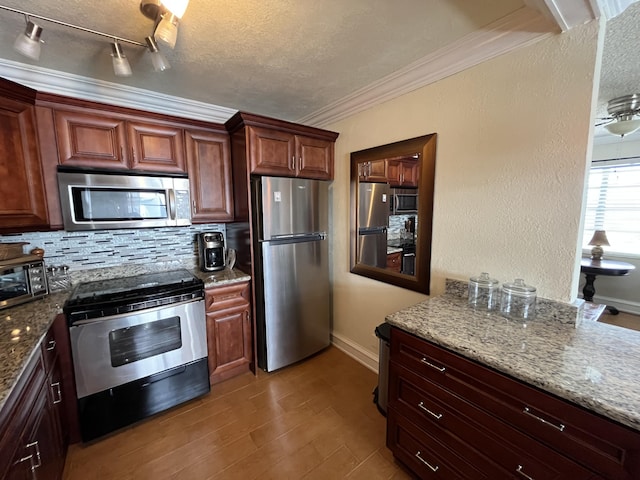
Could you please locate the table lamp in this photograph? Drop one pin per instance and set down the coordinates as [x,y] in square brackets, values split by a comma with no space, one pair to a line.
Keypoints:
[599,238]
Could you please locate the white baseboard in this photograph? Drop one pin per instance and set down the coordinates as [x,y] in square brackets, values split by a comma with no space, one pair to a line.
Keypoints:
[622,305]
[355,351]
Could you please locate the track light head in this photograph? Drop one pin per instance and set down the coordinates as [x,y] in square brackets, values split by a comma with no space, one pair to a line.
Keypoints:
[167,29]
[160,63]
[28,43]
[121,65]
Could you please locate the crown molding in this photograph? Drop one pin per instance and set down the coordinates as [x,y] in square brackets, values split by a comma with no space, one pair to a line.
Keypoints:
[521,28]
[76,86]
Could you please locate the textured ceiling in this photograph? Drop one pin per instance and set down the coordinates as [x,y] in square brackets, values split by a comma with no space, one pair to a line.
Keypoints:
[286,58]
[283,58]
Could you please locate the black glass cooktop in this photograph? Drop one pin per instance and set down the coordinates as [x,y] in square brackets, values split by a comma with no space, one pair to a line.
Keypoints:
[127,294]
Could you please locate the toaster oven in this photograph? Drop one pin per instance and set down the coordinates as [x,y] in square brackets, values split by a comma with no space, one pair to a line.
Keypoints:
[22,279]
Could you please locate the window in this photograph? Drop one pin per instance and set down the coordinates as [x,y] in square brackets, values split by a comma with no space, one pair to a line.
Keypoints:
[613,204]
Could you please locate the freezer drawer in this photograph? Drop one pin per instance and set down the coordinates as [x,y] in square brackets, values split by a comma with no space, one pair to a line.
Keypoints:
[296,302]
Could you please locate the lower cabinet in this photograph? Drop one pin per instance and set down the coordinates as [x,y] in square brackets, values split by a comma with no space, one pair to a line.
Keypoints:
[229,331]
[32,437]
[394,261]
[449,417]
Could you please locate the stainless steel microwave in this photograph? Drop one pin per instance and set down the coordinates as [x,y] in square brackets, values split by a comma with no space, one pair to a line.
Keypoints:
[105,199]
[403,201]
[22,279]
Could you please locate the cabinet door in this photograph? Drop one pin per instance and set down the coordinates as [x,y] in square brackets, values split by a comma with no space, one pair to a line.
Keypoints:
[402,173]
[272,152]
[87,139]
[229,340]
[314,158]
[375,171]
[209,162]
[38,455]
[156,147]
[394,262]
[22,194]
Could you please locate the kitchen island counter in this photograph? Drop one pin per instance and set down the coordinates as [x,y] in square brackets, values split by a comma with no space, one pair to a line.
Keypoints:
[23,327]
[593,364]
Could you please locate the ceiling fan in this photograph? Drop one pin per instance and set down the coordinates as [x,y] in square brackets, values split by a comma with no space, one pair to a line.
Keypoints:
[624,115]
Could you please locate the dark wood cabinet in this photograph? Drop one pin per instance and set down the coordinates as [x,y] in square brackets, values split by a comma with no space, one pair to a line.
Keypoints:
[276,147]
[95,139]
[209,164]
[493,423]
[375,171]
[229,331]
[33,434]
[274,152]
[22,193]
[394,262]
[403,172]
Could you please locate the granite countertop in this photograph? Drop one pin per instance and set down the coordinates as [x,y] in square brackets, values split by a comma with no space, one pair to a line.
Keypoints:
[391,250]
[592,364]
[23,327]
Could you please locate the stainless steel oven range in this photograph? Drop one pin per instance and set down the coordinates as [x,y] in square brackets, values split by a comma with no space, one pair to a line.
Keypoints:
[139,346]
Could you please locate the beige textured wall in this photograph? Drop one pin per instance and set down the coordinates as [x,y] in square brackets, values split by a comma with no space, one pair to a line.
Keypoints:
[513,148]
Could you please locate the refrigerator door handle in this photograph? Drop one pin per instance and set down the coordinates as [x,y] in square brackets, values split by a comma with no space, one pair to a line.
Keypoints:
[296,238]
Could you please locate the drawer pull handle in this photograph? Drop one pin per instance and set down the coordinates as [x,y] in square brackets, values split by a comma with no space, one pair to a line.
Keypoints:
[427,362]
[520,472]
[51,345]
[437,416]
[527,411]
[56,385]
[35,445]
[433,469]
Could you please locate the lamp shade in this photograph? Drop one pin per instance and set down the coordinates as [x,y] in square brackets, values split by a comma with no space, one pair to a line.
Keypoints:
[121,65]
[28,43]
[623,127]
[599,238]
[160,63]
[167,29]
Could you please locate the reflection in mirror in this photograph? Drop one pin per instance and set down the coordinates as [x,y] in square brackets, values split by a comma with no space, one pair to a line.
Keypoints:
[391,212]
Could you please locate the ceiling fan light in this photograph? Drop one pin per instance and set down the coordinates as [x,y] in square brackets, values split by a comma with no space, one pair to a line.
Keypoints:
[167,30]
[177,7]
[623,127]
[160,62]
[28,43]
[121,65]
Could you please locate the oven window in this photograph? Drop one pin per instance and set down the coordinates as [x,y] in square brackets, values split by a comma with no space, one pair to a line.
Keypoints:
[130,344]
[105,204]
[13,283]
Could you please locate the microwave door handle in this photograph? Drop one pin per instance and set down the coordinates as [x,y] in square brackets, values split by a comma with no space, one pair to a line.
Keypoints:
[172,204]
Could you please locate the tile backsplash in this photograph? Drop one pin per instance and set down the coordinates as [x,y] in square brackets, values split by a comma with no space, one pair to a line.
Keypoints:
[111,248]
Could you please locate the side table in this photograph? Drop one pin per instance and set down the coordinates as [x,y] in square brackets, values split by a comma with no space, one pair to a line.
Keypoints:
[592,268]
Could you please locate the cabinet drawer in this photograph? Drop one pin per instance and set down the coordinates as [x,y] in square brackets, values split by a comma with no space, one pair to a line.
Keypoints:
[428,454]
[49,349]
[600,444]
[219,298]
[507,451]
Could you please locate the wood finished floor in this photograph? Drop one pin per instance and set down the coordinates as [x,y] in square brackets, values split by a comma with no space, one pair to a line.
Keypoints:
[313,420]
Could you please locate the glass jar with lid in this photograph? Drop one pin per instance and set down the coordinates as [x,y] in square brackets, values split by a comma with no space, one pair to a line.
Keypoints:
[518,300]
[483,292]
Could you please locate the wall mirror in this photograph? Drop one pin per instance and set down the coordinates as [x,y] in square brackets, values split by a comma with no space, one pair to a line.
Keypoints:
[392,210]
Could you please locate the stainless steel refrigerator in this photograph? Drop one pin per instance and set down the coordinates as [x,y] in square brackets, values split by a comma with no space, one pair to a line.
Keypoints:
[292,269]
[373,221]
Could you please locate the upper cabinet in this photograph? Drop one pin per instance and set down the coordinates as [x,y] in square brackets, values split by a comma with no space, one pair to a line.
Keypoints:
[374,171]
[92,138]
[92,135]
[275,147]
[403,172]
[22,193]
[209,163]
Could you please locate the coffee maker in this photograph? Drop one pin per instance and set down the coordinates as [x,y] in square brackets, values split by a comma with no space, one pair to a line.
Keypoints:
[211,249]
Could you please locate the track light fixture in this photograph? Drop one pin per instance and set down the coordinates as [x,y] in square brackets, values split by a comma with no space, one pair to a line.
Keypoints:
[166,12]
[28,43]
[121,65]
[159,61]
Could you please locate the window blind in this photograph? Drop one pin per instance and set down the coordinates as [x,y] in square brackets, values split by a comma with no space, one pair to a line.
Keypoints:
[613,205]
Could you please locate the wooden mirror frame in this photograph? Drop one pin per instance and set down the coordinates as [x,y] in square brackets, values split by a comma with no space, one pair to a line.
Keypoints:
[426,146]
